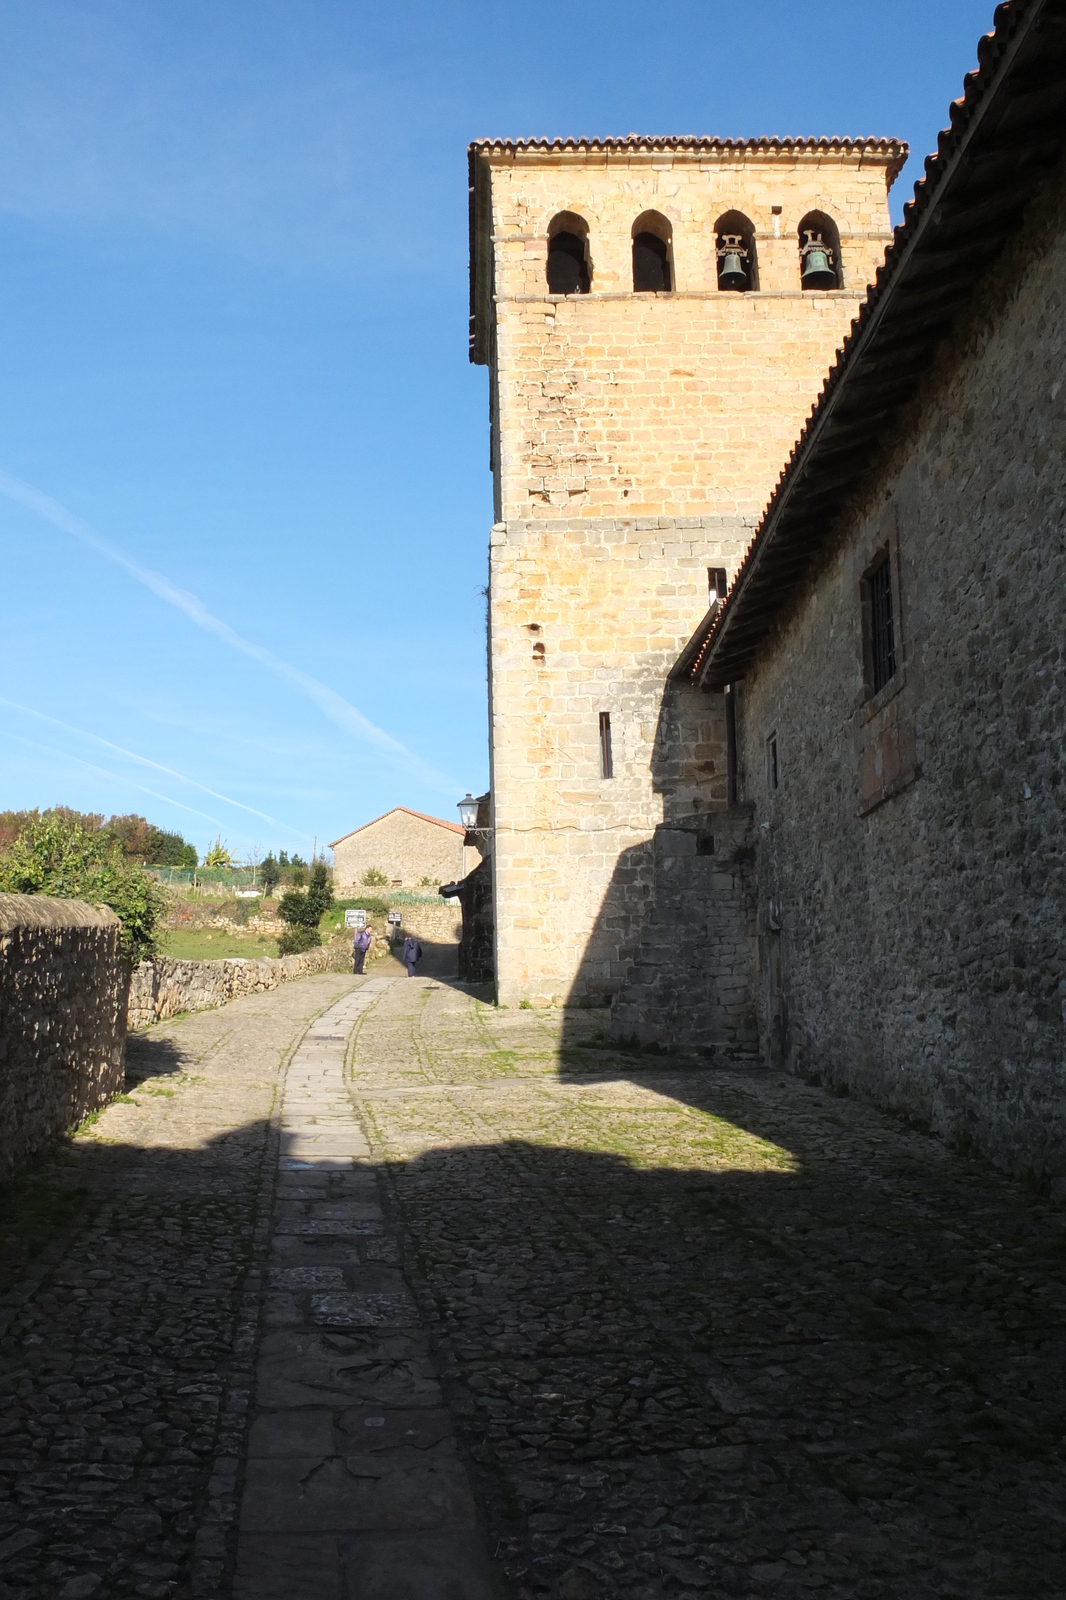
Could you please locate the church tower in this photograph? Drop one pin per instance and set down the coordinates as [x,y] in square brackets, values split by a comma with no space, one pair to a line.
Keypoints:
[657,317]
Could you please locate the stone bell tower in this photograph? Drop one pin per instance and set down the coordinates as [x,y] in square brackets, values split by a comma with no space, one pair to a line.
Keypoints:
[657,316]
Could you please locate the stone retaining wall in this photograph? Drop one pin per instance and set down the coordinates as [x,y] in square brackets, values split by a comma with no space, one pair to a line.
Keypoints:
[433,924]
[690,985]
[165,987]
[63,986]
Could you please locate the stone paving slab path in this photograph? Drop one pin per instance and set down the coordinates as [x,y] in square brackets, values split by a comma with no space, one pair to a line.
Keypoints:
[128,1329]
[386,1294]
[353,1488]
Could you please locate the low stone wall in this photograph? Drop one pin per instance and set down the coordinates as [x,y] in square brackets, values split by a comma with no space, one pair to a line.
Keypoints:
[165,987]
[63,984]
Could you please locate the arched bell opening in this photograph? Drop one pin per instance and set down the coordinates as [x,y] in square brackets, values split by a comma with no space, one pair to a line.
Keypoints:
[653,266]
[569,267]
[819,247]
[734,245]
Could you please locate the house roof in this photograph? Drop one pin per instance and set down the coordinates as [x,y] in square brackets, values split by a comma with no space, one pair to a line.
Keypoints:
[1006,132]
[439,822]
[481,154]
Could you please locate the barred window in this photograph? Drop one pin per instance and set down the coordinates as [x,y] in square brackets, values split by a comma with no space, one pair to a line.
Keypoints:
[882,626]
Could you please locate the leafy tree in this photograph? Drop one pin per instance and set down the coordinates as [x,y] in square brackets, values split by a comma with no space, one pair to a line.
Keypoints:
[172,851]
[55,855]
[283,858]
[219,855]
[269,875]
[137,838]
[298,861]
[298,877]
[374,878]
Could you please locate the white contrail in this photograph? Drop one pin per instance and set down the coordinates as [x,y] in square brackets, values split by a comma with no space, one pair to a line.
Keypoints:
[331,704]
[145,761]
[114,777]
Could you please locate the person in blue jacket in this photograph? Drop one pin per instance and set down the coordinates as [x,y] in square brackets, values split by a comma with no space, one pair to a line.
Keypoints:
[412,953]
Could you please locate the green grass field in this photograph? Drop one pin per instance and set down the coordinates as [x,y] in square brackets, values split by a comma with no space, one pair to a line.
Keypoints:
[213,944]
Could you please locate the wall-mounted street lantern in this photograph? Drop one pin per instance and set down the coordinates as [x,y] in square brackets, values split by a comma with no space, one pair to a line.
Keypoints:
[468,815]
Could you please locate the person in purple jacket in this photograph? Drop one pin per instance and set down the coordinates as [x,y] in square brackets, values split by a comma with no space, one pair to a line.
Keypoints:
[360,946]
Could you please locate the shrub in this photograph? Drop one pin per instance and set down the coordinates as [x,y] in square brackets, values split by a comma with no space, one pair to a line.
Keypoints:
[293,908]
[298,938]
[374,878]
[56,856]
[219,855]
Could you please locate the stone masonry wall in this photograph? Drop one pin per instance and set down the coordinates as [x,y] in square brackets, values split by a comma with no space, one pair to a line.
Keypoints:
[690,987]
[63,987]
[913,854]
[636,439]
[677,404]
[405,847]
[165,987]
[589,618]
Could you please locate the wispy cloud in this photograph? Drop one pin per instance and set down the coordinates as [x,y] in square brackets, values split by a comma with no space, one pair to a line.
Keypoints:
[117,778]
[332,705]
[144,761]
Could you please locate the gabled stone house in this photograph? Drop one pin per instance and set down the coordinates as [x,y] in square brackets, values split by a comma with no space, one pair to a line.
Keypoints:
[408,848]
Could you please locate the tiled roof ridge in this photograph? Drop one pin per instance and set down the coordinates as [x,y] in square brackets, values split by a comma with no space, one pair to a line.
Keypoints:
[882,144]
[990,50]
[441,822]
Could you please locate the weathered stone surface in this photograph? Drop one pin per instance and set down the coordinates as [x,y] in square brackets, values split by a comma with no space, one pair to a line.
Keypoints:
[716,1333]
[635,440]
[167,987]
[913,850]
[126,1339]
[63,983]
[690,986]
[406,846]
[677,1332]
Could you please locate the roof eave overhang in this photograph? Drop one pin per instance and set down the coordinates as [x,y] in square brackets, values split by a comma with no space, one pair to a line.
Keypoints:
[910,307]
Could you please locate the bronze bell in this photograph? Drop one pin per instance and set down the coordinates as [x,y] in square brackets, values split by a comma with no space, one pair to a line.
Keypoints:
[732,255]
[817,271]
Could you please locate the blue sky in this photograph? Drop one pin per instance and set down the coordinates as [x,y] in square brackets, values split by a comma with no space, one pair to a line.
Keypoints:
[244,496]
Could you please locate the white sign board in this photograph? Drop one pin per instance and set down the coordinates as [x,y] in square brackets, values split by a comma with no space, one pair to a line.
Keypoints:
[355,919]
[396,917]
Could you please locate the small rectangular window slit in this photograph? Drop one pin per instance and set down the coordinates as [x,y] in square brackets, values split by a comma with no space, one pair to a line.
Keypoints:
[717,583]
[882,626]
[606,758]
[771,761]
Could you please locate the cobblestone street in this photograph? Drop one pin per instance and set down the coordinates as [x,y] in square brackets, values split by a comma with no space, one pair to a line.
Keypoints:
[524,1322]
